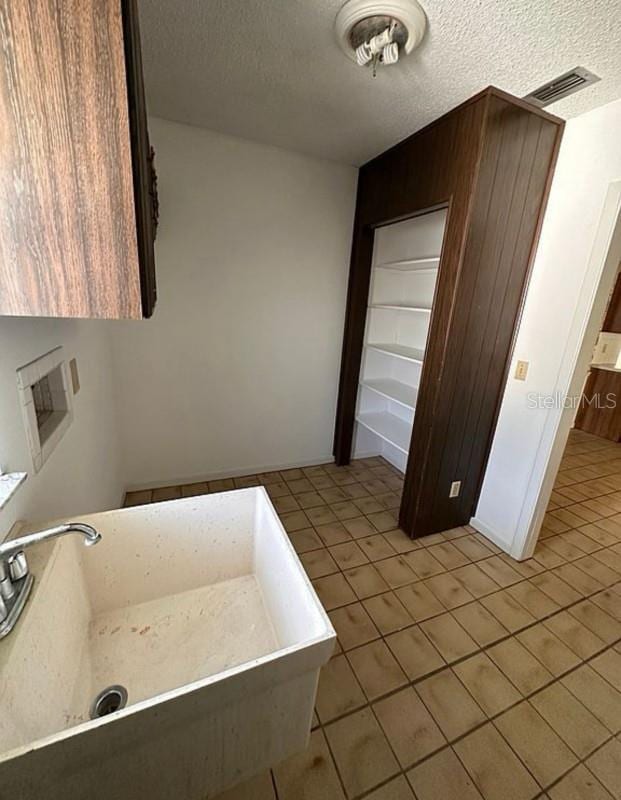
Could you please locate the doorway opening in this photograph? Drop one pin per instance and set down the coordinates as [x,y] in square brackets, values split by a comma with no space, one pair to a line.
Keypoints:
[578,509]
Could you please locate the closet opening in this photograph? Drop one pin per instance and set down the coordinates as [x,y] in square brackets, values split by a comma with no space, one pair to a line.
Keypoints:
[404,275]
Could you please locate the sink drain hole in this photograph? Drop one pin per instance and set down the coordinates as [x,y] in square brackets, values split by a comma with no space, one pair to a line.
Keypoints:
[108,701]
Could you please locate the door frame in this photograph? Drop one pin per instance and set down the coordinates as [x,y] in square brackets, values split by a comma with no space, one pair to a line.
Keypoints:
[603,261]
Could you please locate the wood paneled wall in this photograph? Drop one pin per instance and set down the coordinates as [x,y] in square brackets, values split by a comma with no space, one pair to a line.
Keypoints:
[490,161]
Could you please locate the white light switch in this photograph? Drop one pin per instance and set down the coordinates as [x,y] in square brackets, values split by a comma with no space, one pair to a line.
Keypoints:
[455,489]
[521,370]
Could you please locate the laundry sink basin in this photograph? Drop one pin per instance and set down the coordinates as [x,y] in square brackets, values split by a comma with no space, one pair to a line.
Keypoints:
[201,612]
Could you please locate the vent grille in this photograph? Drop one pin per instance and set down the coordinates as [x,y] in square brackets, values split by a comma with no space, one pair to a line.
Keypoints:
[560,87]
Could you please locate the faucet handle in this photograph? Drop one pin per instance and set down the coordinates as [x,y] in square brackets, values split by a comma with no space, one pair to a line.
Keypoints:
[7,590]
[18,566]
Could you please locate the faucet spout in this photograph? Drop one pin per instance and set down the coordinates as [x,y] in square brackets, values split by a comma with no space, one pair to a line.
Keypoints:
[15,578]
[13,546]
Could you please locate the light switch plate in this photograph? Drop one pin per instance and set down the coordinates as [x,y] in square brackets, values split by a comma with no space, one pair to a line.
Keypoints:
[521,370]
[455,489]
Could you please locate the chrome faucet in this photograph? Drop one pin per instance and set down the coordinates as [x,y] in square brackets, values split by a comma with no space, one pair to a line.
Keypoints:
[15,579]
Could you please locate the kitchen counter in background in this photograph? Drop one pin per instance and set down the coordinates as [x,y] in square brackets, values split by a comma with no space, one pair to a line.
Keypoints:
[607,367]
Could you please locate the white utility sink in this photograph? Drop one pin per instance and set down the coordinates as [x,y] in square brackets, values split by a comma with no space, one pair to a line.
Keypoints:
[201,610]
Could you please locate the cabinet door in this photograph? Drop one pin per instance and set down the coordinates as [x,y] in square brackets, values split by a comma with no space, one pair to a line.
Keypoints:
[612,321]
[71,242]
[600,411]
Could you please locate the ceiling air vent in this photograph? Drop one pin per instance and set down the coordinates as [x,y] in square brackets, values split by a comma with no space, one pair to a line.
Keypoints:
[560,87]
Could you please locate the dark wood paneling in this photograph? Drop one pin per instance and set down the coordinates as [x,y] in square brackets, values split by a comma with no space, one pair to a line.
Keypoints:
[67,215]
[600,410]
[141,156]
[490,161]
[399,184]
[515,167]
[612,321]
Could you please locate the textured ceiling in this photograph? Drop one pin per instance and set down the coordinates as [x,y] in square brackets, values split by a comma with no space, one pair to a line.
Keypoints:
[272,71]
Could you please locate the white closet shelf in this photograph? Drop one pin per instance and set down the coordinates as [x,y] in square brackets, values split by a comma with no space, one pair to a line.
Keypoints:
[428,263]
[401,307]
[387,426]
[399,351]
[393,390]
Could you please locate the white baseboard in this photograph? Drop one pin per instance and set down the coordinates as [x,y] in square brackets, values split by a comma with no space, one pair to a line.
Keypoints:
[363,454]
[229,473]
[482,528]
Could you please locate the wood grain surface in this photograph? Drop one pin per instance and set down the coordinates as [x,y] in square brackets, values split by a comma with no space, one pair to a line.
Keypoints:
[600,411]
[67,214]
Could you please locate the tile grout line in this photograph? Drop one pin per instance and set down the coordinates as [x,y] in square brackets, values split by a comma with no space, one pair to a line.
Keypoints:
[510,634]
[500,589]
[489,720]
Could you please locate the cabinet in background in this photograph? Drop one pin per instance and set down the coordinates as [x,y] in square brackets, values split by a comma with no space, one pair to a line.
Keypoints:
[76,189]
[600,410]
[612,320]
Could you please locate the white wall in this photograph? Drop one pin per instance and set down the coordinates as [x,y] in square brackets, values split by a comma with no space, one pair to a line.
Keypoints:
[237,370]
[568,266]
[83,472]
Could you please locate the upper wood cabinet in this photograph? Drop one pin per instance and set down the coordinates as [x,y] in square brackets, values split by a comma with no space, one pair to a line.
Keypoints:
[76,217]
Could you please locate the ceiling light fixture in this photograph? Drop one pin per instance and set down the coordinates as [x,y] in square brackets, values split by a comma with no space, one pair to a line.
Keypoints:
[374,33]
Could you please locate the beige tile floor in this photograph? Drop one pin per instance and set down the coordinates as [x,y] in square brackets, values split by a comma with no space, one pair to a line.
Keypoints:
[459,674]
